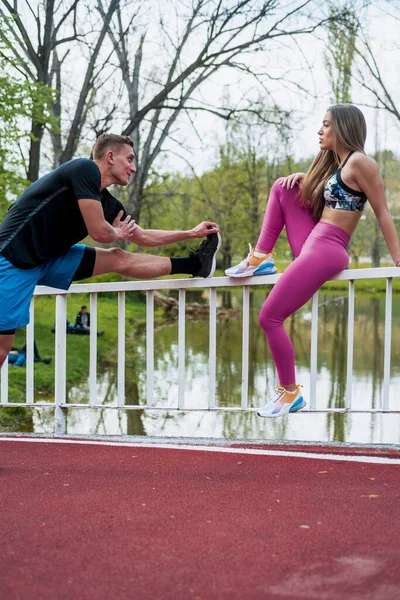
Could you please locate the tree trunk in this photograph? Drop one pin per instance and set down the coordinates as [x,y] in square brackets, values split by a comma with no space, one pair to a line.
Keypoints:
[135,191]
[56,112]
[34,152]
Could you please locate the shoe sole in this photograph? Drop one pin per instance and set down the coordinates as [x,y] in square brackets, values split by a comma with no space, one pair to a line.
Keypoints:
[272,271]
[297,407]
[214,260]
[292,409]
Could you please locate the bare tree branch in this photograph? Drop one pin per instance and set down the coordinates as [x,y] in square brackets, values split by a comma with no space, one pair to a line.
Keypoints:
[81,109]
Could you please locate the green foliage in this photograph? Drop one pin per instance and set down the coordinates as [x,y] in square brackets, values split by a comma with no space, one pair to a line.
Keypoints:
[339,56]
[233,194]
[22,103]
[227,194]
[77,345]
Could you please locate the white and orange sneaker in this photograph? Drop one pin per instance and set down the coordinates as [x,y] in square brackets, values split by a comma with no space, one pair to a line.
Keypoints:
[283,402]
[253,265]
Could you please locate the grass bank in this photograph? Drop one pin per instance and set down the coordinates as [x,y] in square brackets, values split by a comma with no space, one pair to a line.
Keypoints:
[77,348]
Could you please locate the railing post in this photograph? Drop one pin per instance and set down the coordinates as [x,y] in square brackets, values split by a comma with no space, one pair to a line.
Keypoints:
[181,350]
[245,346]
[93,350]
[350,346]
[60,416]
[121,348]
[150,348]
[4,383]
[212,358]
[388,343]
[314,352]
[30,354]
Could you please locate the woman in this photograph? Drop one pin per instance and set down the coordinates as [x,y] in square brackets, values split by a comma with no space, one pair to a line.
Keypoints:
[320,210]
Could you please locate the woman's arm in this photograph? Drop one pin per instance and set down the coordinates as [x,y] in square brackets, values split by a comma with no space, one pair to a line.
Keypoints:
[368,178]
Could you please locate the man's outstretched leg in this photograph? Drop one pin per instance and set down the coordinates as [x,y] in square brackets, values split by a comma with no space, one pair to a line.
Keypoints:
[199,263]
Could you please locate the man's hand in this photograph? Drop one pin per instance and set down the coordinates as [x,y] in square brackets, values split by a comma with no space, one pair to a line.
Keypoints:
[124,228]
[205,228]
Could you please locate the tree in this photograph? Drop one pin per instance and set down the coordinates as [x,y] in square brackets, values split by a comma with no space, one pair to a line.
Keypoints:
[192,44]
[234,192]
[35,34]
[340,51]
[369,76]
[21,103]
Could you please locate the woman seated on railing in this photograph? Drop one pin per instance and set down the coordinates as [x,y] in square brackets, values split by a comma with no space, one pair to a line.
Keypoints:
[320,210]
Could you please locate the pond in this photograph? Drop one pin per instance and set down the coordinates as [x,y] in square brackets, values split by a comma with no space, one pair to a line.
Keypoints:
[367,388]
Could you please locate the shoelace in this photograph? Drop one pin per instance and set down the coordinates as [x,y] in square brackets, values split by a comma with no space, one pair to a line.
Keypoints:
[250,254]
[278,394]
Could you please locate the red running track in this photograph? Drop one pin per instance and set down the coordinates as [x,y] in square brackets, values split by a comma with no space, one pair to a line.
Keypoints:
[120,522]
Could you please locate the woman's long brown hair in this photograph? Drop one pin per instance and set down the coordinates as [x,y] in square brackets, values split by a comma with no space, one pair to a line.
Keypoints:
[350,130]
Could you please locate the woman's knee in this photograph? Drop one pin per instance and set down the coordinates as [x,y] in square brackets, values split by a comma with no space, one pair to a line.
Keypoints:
[268,319]
[283,194]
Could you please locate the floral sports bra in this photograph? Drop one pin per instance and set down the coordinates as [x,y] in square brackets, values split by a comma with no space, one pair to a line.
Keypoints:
[340,196]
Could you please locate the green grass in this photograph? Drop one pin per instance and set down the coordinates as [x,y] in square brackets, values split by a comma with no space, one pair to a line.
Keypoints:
[77,347]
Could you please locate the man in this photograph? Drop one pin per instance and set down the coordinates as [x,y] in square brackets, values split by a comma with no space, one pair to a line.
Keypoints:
[40,233]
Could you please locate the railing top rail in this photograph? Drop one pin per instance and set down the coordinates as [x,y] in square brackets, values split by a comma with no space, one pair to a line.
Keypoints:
[213,282]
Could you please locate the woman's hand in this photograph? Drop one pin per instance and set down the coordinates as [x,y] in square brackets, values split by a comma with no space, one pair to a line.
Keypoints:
[292,180]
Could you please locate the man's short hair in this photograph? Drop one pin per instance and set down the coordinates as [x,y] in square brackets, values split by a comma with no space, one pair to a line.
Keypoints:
[109,141]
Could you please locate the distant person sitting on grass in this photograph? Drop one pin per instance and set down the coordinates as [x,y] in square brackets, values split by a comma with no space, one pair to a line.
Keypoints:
[83,320]
[78,329]
[40,233]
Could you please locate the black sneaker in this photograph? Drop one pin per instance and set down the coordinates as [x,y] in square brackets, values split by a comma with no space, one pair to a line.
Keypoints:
[206,253]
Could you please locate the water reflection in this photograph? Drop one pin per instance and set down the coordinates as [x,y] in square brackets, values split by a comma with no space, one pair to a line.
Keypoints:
[366,390]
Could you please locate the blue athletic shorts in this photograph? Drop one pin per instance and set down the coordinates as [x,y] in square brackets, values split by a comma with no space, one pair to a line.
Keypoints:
[17,285]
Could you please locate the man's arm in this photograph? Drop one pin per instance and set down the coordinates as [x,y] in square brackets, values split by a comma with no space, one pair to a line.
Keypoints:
[149,238]
[99,229]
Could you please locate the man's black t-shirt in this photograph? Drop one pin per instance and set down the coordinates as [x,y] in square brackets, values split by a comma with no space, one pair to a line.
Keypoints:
[45,221]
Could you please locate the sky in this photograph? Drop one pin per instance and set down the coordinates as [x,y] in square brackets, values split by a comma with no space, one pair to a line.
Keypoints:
[383,130]
[198,143]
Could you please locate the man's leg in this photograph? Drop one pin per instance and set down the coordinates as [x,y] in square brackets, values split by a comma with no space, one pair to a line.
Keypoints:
[6,342]
[200,262]
[139,266]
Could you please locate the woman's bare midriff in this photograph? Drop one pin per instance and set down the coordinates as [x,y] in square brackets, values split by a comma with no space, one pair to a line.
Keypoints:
[346,220]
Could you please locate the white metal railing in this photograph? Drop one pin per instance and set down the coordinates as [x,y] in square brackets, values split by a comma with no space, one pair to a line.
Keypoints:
[60,402]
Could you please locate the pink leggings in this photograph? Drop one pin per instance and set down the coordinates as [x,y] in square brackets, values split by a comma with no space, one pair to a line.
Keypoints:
[320,251]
